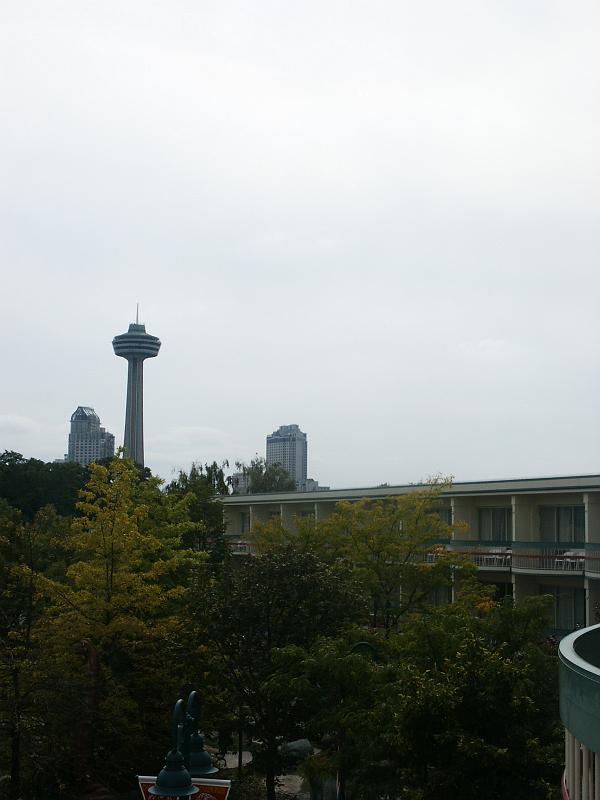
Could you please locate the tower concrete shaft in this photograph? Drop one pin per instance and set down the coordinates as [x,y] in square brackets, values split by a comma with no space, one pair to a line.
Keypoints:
[136,345]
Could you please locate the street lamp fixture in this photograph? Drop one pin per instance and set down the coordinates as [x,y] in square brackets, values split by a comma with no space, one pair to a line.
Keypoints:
[199,764]
[187,758]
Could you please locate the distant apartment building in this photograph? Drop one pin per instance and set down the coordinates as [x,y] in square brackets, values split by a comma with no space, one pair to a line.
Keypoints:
[287,446]
[88,441]
[312,485]
[240,483]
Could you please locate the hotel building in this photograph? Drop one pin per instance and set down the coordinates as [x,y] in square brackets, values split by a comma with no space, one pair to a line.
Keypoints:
[526,536]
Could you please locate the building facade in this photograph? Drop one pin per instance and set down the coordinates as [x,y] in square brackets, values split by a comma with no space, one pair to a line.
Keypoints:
[240,483]
[88,440]
[532,536]
[287,446]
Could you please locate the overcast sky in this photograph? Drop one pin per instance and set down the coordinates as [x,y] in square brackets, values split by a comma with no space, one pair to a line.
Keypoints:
[378,220]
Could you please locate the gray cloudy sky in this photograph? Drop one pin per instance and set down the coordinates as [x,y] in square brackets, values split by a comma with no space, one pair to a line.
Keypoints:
[378,220]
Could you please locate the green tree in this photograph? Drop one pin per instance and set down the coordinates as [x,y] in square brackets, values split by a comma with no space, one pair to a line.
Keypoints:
[263,477]
[397,547]
[468,708]
[17,612]
[114,630]
[337,681]
[27,548]
[30,484]
[280,599]
[201,488]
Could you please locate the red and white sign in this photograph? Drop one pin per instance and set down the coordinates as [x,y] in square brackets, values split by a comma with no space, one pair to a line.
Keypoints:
[208,789]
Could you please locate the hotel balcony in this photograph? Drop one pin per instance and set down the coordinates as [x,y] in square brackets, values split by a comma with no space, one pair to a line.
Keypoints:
[579,657]
[527,557]
[240,548]
[592,559]
[549,557]
[487,555]
[572,558]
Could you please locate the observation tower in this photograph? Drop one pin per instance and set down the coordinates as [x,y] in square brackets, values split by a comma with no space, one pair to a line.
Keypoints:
[135,345]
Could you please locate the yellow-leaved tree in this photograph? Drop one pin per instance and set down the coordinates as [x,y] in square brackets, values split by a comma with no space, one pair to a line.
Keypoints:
[397,545]
[114,630]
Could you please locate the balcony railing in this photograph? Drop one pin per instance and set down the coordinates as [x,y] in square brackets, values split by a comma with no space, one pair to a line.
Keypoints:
[240,548]
[561,557]
[485,555]
[592,558]
[573,558]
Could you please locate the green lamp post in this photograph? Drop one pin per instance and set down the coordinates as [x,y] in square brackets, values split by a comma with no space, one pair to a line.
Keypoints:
[174,780]
[187,758]
[198,762]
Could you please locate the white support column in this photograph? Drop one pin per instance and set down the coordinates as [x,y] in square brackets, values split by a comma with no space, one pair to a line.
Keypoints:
[568,759]
[570,763]
[577,771]
[287,517]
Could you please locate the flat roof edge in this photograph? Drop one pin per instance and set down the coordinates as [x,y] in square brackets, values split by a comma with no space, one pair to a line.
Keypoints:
[547,483]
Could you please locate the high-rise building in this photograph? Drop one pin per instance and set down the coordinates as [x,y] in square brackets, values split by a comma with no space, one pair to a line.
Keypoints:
[136,345]
[287,446]
[88,441]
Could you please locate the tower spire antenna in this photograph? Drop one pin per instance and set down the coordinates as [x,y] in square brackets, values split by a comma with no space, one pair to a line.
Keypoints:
[137,313]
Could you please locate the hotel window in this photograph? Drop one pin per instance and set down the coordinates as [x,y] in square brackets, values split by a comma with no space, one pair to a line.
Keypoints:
[562,523]
[569,607]
[440,596]
[445,514]
[495,524]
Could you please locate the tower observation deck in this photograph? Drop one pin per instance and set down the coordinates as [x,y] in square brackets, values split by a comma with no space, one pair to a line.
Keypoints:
[135,345]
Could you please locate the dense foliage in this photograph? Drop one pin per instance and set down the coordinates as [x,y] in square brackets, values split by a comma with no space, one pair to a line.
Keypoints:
[110,610]
[263,477]
[29,484]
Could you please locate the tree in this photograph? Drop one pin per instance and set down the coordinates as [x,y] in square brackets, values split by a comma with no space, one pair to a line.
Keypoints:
[201,488]
[280,599]
[17,599]
[465,706]
[263,477]
[338,680]
[114,630]
[397,547]
[27,548]
[30,484]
